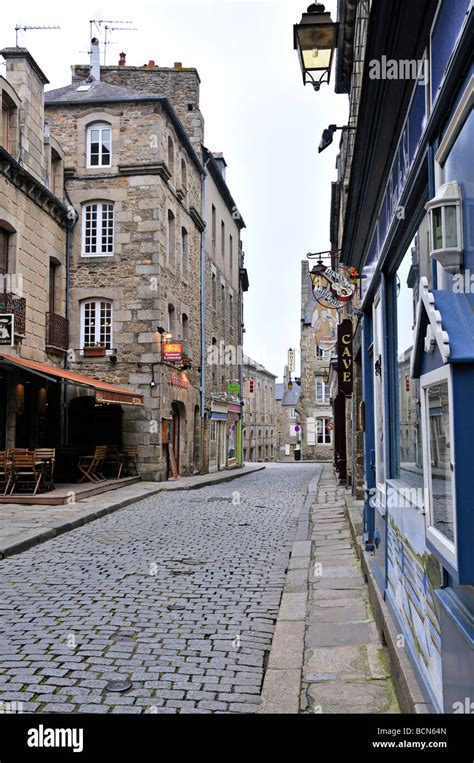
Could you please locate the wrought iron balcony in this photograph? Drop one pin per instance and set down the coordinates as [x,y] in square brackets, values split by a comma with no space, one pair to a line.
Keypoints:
[57,332]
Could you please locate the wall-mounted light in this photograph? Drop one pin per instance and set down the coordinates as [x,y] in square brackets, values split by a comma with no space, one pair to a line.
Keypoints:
[446,239]
[328,135]
[315,40]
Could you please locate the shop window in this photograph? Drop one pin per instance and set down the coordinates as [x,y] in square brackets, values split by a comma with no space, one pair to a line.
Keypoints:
[99,145]
[96,324]
[408,456]
[97,229]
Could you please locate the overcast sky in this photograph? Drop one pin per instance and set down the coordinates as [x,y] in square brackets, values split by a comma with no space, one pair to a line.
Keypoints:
[256,112]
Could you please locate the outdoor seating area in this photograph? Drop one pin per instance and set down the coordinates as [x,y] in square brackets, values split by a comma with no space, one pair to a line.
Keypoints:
[25,472]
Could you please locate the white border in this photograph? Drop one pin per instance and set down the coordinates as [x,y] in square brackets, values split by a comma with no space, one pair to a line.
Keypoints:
[446,548]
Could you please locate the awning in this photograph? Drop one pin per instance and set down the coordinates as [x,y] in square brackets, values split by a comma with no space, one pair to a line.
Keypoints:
[104,392]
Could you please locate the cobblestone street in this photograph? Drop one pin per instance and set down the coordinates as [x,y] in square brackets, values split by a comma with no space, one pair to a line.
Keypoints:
[177,595]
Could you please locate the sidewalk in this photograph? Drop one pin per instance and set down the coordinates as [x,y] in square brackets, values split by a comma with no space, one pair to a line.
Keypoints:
[24,526]
[326,654]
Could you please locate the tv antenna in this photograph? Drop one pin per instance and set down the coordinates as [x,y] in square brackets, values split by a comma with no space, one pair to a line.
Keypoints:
[28,27]
[114,29]
[98,23]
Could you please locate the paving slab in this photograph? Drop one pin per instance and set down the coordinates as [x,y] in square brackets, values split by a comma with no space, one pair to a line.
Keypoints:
[338,634]
[352,697]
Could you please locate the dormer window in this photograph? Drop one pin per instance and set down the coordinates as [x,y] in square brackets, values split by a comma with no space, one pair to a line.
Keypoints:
[99,145]
[446,226]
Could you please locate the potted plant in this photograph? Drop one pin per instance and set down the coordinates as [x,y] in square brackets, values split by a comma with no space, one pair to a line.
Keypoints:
[94,350]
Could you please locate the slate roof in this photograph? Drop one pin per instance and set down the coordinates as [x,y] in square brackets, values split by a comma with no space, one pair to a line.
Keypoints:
[97,92]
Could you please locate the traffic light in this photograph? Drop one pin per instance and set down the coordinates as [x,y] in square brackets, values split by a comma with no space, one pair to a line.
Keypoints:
[251,385]
[407,384]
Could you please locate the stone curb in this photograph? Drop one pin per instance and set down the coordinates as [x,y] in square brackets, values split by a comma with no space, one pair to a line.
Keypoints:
[409,694]
[35,537]
[282,680]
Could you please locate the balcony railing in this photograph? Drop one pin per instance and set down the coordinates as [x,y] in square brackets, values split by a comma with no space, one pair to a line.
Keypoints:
[57,331]
[10,303]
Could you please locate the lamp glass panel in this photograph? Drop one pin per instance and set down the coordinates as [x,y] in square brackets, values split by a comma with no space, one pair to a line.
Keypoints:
[316,58]
[316,44]
[437,229]
[451,236]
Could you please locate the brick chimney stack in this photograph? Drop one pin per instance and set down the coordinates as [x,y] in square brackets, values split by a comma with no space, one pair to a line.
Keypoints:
[122,59]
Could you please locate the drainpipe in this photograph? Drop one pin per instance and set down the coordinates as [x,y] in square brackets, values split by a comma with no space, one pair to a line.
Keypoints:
[203,314]
[72,220]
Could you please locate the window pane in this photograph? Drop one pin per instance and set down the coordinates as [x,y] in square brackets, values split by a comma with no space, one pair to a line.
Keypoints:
[440,457]
[409,458]
[437,229]
[3,251]
[450,223]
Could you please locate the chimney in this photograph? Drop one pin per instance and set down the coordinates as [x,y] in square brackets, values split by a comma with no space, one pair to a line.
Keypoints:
[221,163]
[25,76]
[95,59]
[178,65]
[122,58]
[151,64]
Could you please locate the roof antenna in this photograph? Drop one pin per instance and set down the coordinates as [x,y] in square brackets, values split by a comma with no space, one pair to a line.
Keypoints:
[28,27]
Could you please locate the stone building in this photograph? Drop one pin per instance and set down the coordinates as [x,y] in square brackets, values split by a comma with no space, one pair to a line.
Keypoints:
[314,405]
[33,246]
[288,426]
[225,281]
[259,415]
[134,178]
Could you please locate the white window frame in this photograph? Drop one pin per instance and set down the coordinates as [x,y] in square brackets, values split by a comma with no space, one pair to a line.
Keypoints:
[381,487]
[97,301]
[292,413]
[326,391]
[100,207]
[101,126]
[325,421]
[447,548]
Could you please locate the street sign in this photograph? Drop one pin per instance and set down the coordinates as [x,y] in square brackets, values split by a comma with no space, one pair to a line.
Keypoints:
[232,388]
[344,357]
[291,361]
[172,351]
[297,429]
[7,329]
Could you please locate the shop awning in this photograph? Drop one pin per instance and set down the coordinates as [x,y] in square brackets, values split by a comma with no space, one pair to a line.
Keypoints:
[104,392]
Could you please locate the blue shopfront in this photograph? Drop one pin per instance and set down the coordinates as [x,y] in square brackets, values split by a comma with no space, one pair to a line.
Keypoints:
[417,287]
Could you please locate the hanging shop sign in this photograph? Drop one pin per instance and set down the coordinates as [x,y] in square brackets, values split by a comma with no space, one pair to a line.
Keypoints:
[324,323]
[7,329]
[232,388]
[345,357]
[172,351]
[333,288]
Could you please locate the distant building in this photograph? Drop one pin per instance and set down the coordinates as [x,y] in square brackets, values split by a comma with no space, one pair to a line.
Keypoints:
[314,405]
[260,418]
[288,430]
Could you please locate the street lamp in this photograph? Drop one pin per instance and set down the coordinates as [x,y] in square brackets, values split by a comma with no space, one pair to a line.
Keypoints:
[315,39]
[328,135]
